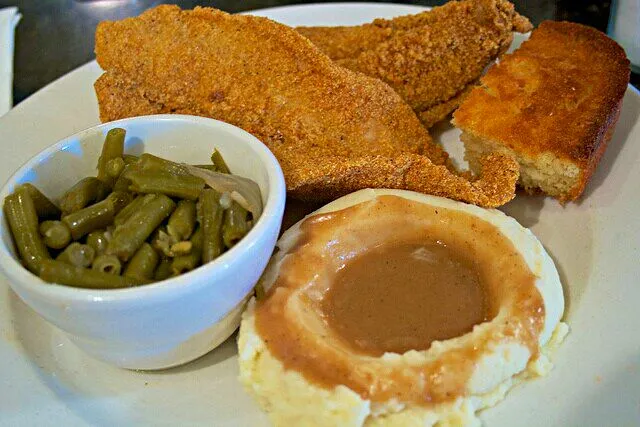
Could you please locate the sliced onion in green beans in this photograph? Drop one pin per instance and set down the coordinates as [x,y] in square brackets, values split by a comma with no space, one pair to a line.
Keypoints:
[243,190]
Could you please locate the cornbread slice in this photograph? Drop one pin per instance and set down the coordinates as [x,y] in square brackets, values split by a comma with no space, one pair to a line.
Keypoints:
[552,105]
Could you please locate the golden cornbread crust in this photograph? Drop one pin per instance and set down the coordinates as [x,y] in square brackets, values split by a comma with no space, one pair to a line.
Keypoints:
[559,94]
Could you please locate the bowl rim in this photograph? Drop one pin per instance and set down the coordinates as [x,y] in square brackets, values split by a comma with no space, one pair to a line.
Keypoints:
[168,288]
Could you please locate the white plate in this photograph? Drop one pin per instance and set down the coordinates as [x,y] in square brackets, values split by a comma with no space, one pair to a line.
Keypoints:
[595,243]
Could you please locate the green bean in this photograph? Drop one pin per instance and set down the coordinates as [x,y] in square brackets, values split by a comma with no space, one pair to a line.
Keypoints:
[184,263]
[181,186]
[113,147]
[182,220]
[129,159]
[21,215]
[132,207]
[234,225]
[129,236]
[123,183]
[207,167]
[212,212]
[45,208]
[143,263]
[221,165]
[77,254]
[84,192]
[115,167]
[98,241]
[163,271]
[107,264]
[120,200]
[199,213]
[55,234]
[150,163]
[95,217]
[65,274]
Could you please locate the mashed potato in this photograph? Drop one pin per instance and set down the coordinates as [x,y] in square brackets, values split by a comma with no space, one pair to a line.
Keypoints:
[291,399]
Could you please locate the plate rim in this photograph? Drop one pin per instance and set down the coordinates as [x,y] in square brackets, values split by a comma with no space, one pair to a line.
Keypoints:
[86,68]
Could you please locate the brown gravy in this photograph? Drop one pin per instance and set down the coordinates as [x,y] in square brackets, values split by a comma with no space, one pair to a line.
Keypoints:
[292,317]
[401,297]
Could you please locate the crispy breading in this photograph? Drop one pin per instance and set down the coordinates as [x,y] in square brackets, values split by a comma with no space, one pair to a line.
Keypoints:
[428,58]
[438,112]
[333,130]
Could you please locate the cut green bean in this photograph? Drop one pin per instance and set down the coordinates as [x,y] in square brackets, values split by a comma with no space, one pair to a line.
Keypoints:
[130,159]
[123,183]
[181,186]
[163,271]
[82,194]
[95,217]
[212,213]
[207,167]
[45,208]
[128,237]
[113,147]
[184,263]
[141,219]
[182,220]
[150,163]
[218,161]
[55,234]
[77,254]
[107,264]
[234,225]
[21,215]
[115,167]
[98,241]
[65,274]
[120,199]
[132,207]
[143,263]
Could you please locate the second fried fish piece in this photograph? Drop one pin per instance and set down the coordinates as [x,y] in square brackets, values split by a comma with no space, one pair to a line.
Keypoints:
[333,130]
[429,58]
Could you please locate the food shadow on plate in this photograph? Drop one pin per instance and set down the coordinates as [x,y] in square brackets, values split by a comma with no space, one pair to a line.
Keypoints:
[525,208]
[220,354]
[448,137]
[628,120]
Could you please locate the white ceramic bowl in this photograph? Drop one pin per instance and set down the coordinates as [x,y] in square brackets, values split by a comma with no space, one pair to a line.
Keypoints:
[177,320]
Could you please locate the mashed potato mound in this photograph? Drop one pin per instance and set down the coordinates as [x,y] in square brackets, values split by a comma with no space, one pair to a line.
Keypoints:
[290,399]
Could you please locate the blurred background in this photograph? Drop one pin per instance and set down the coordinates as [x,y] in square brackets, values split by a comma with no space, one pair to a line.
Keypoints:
[56,36]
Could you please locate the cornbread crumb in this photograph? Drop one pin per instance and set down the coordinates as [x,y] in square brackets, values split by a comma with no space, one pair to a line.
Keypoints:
[552,105]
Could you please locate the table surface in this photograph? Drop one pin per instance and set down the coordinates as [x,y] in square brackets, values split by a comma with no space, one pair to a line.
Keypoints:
[56,36]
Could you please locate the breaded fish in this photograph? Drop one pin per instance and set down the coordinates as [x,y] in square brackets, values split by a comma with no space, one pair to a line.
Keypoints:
[430,58]
[333,130]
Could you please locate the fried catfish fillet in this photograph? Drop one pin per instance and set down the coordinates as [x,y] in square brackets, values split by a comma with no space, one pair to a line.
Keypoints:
[430,58]
[333,130]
